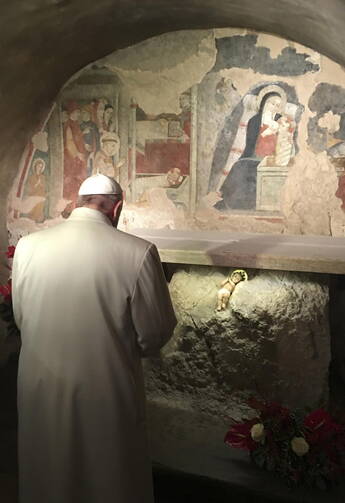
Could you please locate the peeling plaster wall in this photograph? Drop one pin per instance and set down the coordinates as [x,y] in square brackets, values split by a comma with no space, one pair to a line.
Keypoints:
[224,129]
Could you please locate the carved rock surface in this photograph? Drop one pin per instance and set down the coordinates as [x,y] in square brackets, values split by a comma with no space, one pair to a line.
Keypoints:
[272,340]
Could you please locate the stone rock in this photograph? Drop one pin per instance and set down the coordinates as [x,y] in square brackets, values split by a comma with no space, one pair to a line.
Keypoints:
[273,341]
[307,209]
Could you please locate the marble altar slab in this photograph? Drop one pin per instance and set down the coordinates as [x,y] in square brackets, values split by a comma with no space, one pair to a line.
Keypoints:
[321,254]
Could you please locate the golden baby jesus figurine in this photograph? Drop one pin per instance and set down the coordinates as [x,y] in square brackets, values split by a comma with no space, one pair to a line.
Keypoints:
[228,286]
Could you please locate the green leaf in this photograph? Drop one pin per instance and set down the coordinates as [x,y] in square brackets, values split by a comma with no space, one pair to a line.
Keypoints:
[270,464]
[259,458]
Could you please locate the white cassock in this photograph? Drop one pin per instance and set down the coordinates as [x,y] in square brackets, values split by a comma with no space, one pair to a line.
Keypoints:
[90,301]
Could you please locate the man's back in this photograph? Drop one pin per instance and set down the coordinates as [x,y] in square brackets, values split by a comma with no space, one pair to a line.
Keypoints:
[89,301]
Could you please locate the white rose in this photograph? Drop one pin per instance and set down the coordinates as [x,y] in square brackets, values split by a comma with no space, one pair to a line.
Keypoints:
[299,446]
[257,432]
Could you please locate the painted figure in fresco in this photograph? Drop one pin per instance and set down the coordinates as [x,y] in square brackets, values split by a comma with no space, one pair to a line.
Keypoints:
[185,116]
[106,160]
[75,153]
[266,134]
[89,129]
[174,177]
[228,286]
[36,186]
[108,118]
[223,92]
[232,151]
[179,125]
[99,106]
[104,115]
[163,140]
[239,188]
[285,145]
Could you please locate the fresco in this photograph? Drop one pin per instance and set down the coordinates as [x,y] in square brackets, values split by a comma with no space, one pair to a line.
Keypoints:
[162,152]
[326,130]
[223,129]
[260,132]
[36,188]
[90,143]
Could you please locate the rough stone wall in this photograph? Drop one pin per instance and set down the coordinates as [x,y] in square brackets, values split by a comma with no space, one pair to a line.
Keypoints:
[273,341]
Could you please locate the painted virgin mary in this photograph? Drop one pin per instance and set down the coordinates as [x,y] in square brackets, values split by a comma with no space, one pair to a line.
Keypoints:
[236,182]
[268,130]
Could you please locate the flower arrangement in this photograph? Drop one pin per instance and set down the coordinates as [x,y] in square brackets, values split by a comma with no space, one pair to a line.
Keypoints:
[6,309]
[301,448]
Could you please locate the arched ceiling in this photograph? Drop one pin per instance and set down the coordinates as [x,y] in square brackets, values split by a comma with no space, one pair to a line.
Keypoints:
[44,42]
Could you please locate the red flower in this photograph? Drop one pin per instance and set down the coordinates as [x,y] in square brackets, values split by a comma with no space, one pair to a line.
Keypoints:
[6,291]
[325,437]
[239,435]
[320,426]
[10,251]
[317,419]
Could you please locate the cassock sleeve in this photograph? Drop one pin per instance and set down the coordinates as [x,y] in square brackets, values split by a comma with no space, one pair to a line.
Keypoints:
[152,311]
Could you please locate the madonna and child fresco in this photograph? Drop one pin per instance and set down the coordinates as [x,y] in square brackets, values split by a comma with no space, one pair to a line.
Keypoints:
[261,130]
[221,129]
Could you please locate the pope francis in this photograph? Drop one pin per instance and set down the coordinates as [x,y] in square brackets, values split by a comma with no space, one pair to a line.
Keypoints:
[90,301]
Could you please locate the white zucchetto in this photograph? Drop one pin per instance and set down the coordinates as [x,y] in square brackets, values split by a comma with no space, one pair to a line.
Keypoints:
[99,184]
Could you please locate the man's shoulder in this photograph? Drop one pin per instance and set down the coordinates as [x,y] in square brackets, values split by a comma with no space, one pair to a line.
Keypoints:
[39,235]
[133,240]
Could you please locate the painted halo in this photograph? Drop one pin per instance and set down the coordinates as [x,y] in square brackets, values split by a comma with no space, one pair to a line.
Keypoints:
[273,88]
[241,272]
